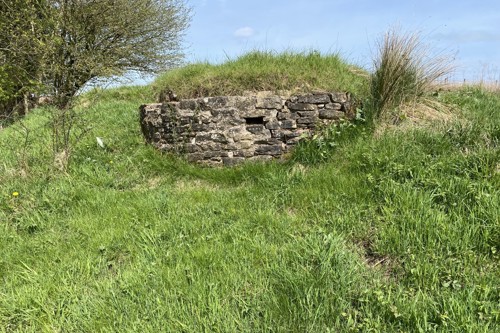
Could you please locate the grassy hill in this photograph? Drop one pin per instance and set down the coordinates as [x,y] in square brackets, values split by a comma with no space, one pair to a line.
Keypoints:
[357,232]
[257,71]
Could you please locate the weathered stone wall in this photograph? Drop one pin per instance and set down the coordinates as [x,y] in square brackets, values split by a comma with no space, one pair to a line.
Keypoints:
[230,129]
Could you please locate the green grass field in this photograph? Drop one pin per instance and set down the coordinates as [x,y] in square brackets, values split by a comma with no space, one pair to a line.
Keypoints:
[394,232]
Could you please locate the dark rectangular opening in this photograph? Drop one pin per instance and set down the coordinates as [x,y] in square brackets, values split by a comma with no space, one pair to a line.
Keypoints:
[254,120]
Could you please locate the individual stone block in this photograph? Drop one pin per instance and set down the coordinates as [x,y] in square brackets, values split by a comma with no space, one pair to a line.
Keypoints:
[268,141]
[283,135]
[242,103]
[208,145]
[217,153]
[187,134]
[278,134]
[272,125]
[243,153]
[191,148]
[338,97]
[333,106]
[211,137]
[211,103]
[238,133]
[194,157]
[307,120]
[308,113]
[163,119]
[320,98]
[244,144]
[230,161]
[311,126]
[224,113]
[256,129]
[293,141]
[292,134]
[331,114]
[287,115]
[287,124]
[204,117]
[270,102]
[153,107]
[268,150]
[215,160]
[301,106]
[267,114]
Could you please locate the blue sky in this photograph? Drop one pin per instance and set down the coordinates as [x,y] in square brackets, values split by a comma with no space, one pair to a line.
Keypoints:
[467,30]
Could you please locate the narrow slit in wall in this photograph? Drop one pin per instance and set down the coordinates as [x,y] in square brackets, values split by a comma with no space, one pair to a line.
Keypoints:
[254,120]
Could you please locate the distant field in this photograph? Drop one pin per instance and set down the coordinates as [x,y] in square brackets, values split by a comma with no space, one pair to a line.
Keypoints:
[360,230]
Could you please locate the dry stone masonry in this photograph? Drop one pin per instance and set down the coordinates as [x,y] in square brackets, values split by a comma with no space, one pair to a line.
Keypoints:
[226,130]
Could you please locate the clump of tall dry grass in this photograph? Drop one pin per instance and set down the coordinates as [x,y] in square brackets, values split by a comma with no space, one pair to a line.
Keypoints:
[405,71]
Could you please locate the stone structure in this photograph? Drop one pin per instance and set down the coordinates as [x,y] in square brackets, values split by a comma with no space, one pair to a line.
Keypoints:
[230,129]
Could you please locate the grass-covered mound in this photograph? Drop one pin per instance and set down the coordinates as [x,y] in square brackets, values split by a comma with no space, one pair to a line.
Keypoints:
[394,233]
[257,71]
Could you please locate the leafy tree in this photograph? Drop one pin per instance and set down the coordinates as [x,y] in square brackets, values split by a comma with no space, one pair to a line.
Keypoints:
[83,40]
[55,47]
[102,38]
[23,24]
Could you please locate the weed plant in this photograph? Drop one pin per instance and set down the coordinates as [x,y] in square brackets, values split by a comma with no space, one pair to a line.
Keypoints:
[321,146]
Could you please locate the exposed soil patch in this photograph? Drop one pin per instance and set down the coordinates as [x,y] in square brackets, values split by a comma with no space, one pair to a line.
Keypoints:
[374,260]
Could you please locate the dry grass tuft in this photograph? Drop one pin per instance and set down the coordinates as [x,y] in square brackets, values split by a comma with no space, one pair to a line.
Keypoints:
[404,72]
[424,114]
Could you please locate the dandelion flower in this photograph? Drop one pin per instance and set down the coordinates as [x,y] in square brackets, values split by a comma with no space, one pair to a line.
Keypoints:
[15,194]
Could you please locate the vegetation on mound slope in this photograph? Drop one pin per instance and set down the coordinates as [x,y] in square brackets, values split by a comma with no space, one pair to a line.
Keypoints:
[398,233]
[257,71]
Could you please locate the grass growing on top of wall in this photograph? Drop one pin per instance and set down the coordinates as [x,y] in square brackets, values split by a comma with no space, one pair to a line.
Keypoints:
[395,233]
[258,71]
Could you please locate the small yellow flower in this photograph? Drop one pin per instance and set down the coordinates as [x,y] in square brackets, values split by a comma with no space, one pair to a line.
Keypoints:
[15,194]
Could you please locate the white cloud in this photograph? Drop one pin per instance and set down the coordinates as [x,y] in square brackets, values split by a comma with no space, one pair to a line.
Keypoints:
[244,32]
